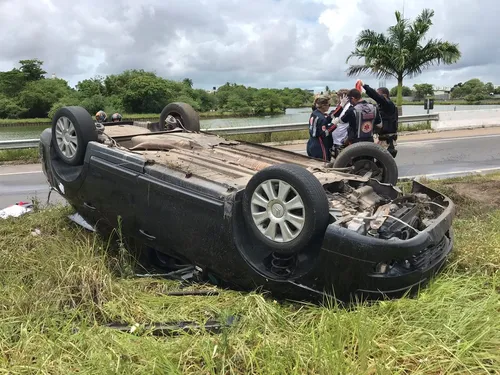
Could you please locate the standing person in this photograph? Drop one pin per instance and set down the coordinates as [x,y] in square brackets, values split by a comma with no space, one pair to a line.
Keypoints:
[340,133]
[320,128]
[389,114]
[362,117]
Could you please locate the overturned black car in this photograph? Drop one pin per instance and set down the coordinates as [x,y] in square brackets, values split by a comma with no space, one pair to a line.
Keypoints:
[253,216]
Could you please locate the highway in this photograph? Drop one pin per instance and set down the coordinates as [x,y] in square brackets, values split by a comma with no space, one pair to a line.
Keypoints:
[440,157]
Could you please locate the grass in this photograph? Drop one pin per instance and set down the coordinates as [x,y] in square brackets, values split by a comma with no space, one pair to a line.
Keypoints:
[304,134]
[22,156]
[58,288]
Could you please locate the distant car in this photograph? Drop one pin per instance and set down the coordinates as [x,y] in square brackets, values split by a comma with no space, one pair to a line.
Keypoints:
[254,216]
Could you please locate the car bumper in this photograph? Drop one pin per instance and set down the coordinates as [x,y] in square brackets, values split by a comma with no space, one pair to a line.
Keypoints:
[393,267]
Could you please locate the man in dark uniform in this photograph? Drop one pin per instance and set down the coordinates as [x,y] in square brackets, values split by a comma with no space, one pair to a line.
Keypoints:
[362,117]
[389,114]
[320,128]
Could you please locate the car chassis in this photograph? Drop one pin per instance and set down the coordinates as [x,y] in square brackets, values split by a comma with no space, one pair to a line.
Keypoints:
[253,216]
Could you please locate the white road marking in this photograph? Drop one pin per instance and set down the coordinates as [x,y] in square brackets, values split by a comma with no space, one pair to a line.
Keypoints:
[17,173]
[452,173]
[439,140]
[404,143]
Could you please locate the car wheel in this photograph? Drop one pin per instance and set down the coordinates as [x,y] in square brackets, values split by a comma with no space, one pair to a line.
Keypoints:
[286,207]
[183,113]
[366,157]
[72,129]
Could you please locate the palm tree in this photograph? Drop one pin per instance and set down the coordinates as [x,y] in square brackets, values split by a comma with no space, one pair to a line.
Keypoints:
[400,54]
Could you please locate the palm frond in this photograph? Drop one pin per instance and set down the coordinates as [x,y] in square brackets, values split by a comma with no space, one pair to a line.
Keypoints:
[435,52]
[378,72]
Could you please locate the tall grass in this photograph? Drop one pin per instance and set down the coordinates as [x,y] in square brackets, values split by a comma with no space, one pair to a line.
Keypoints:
[58,289]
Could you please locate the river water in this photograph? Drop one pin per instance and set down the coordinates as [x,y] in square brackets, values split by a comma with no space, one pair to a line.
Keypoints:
[292,115]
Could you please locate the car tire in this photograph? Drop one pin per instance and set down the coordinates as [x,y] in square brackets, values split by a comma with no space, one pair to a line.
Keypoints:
[188,117]
[354,155]
[305,218]
[72,126]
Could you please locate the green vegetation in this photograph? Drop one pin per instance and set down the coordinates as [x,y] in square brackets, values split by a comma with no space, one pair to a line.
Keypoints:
[304,134]
[400,54]
[473,91]
[455,102]
[23,156]
[59,289]
[26,93]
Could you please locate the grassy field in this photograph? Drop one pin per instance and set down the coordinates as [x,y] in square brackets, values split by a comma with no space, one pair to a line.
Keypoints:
[60,287]
[23,156]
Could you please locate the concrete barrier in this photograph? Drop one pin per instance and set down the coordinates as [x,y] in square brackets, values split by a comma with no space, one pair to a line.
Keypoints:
[480,118]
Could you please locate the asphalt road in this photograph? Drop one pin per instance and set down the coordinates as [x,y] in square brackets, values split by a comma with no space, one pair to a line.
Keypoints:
[435,158]
[23,183]
[445,157]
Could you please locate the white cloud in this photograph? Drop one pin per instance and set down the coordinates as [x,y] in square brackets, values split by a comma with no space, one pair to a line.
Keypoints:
[295,43]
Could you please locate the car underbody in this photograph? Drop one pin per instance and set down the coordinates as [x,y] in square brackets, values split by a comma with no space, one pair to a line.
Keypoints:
[250,206]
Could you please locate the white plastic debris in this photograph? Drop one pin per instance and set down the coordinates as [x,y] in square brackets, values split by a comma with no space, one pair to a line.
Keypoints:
[16,210]
[76,218]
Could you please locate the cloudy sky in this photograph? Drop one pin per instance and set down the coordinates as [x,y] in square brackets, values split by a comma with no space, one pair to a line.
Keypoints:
[262,43]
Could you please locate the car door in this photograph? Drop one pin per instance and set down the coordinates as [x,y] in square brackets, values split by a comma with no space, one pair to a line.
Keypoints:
[110,190]
[175,217]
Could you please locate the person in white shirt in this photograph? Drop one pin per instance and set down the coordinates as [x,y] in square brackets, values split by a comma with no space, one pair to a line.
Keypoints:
[339,135]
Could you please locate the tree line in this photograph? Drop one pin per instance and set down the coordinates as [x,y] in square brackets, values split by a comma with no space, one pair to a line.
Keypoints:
[25,92]
[473,90]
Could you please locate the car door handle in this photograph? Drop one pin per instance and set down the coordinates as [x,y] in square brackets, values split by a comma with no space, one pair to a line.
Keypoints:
[148,236]
[89,206]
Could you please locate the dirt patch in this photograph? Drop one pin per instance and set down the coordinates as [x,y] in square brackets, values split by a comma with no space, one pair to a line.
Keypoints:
[487,193]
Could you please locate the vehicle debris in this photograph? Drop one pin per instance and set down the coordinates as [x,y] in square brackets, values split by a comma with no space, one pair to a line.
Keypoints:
[176,328]
[78,219]
[16,210]
[193,293]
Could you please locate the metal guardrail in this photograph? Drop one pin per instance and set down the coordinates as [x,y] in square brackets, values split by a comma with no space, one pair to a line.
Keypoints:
[19,144]
[254,129]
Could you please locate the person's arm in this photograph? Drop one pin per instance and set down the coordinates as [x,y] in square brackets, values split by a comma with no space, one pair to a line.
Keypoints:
[384,103]
[336,112]
[350,118]
[340,107]
[319,127]
[348,115]
[378,118]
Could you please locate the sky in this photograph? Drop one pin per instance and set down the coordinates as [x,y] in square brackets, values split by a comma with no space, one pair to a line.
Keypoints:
[259,43]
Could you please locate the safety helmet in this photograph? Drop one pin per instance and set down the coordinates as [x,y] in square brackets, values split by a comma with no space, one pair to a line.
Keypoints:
[116,117]
[101,116]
